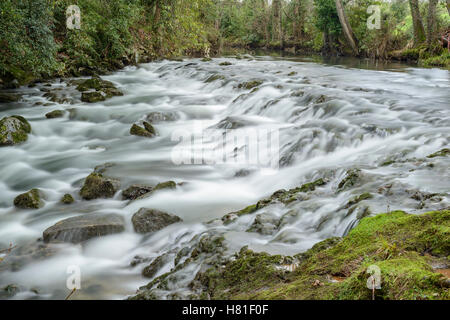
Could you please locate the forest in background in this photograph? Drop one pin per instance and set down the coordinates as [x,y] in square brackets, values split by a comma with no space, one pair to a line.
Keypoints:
[35,42]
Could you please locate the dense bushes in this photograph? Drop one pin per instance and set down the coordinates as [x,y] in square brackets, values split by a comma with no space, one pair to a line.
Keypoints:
[36,43]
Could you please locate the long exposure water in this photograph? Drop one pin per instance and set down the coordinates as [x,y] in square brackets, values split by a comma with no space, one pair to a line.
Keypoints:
[330,118]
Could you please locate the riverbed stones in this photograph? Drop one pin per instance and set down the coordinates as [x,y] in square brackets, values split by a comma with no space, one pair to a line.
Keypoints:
[147,131]
[151,270]
[135,191]
[93,96]
[98,186]
[85,227]
[55,114]
[14,130]
[151,220]
[29,200]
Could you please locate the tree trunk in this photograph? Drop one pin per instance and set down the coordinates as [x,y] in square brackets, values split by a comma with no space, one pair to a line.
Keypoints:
[431,23]
[277,32]
[348,32]
[448,7]
[266,21]
[419,31]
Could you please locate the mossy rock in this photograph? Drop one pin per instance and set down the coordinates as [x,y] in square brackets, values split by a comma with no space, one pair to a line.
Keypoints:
[135,191]
[14,130]
[151,270]
[215,77]
[55,114]
[97,186]
[225,64]
[352,177]
[151,220]
[95,83]
[401,245]
[67,199]
[9,97]
[206,59]
[29,200]
[441,153]
[165,185]
[112,92]
[147,131]
[250,84]
[93,96]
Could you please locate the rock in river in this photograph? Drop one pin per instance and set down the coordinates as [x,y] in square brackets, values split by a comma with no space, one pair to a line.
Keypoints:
[146,131]
[13,130]
[151,220]
[82,228]
[97,186]
[29,200]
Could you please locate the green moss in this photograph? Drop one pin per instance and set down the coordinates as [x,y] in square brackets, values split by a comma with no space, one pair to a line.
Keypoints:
[55,114]
[351,178]
[97,186]
[147,131]
[358,199]
[250,84]
[441,153]
[397,243]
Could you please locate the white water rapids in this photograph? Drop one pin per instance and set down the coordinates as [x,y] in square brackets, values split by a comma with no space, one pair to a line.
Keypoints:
[330,118]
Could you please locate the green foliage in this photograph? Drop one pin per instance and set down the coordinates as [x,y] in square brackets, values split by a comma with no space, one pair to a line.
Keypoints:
[26,39]
[327,19]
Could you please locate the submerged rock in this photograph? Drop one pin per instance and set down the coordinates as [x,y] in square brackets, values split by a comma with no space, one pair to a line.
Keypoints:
[14,130]
[351,178]
[29,200]
[147,131]
[215,77]
[225,64]
[67,199]
[135,191]
[155,117]
[250,84]
[402,246]
[55,114]
[151,270]
[97,186]
[165,185]
[82,228]
[151,220]
[6,97]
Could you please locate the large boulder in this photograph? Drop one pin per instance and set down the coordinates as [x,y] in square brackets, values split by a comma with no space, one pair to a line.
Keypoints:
[13,130]
[98,186]
[82,228]
[151,220]
[29,200]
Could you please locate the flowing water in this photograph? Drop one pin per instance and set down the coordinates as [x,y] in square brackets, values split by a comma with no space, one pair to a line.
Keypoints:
[329,117]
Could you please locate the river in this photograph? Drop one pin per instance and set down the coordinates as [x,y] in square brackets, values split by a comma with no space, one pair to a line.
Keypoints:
[329,117]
